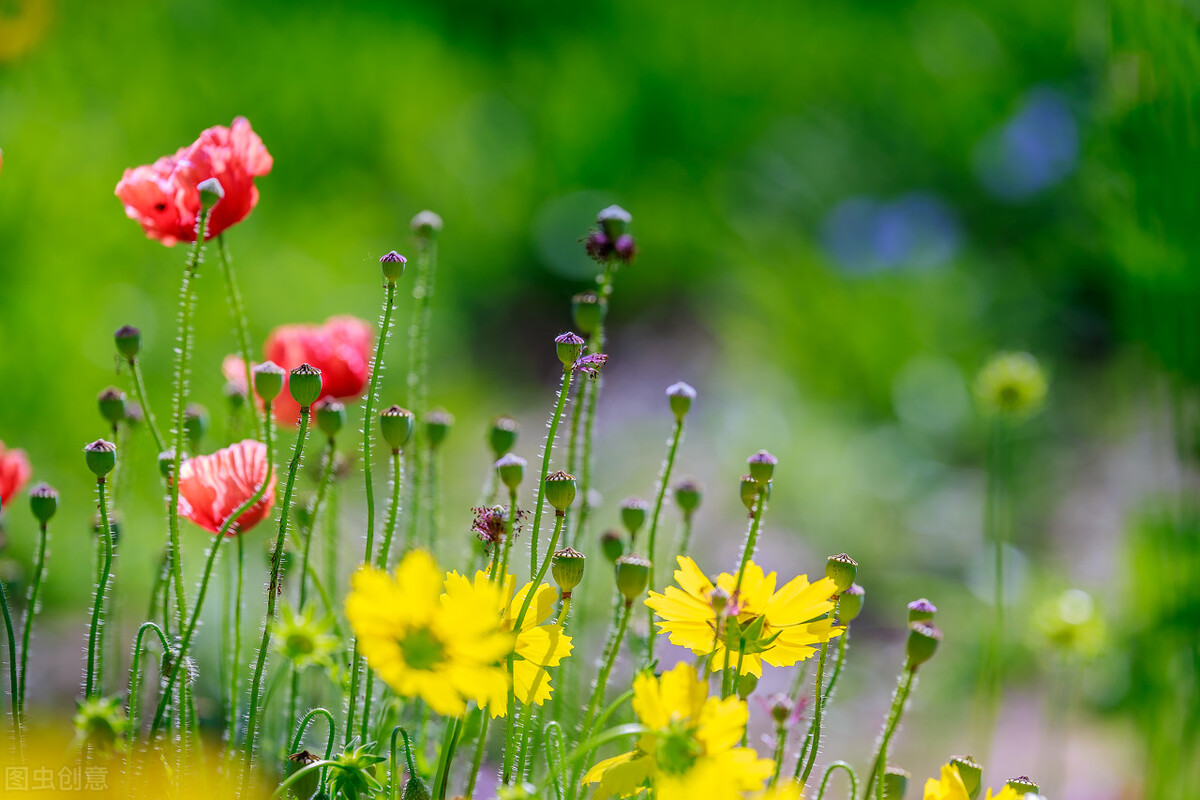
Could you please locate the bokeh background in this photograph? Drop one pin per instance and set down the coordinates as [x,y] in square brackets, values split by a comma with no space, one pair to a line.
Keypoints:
[842,209]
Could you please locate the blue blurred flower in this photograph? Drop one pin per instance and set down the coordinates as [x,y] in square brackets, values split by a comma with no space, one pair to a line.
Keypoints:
[916,231]
[1032,151]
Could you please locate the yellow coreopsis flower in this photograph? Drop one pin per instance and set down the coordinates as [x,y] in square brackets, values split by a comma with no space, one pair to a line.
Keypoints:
[795,617]
[438,640]
[690,747]
[950,787]
[539,644]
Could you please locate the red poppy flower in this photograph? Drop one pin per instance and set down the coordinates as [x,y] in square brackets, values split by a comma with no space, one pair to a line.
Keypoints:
[14,473]
[340,348]
[162,197]
[212,487]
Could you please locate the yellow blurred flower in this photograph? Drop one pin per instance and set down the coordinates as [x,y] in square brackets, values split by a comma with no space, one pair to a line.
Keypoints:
[690,747]
[303,639]
[789,790]
[794,617]
[950,787]
[1012,384]
[438,640]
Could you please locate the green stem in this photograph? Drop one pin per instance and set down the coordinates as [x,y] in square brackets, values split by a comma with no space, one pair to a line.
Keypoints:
[874,782]
[510,534]
[394,774]
[829,772]
[237,309]
[781,732]
[135,670]
[139,392]
[39,571]
[528,725]
[446,757]
[477,761]
[418,329]
[595,345]
[573,447]
[685,537]
[12,670]
[298,774]
[547,449]
[435,511]
[751,539]
[610,658]
[818,715]
[236,656]
[663,481]
[95,661]
[302,728]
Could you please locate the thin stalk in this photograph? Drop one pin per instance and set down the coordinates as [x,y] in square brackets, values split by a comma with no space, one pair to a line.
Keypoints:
[135,670]
[39,572]
[829,772]
[573,447]
[685,537]
[95,660]
[298,774]
[547,449]
[394,771]
[611,649]
[418,328]
[874,783]
[381,561]
[781,732]
[477,761]
[818,715]
[595,345]
[751,538]
[235,661]
[139,393]
[237,309]
[510,533]
[302,728]
[441,778]
[664,479]
[527,724]
[18,735]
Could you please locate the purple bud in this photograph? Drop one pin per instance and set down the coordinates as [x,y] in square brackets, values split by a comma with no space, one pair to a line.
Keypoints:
[393,265]
[591,365]
[626,248]
[598,245]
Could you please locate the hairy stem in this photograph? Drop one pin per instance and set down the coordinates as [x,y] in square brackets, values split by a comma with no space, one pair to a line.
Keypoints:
[31,606]
[95,660]
[664,479]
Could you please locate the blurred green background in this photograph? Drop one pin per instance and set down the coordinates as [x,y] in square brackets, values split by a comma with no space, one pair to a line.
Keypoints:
[842,209]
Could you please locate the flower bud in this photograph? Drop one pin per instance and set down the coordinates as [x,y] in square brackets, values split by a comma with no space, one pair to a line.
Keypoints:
[850,603]
[781,708]
[895,783]
[842,569]
[512,470]
[747,682]
[633,515]
[613,221]
[598,246]
[567,568]
[195,424]
[923,638]
[1011,384]
[680,396]
[569,347]
[268,380]
[633,573]
[396,423]
[587,310]
[43,502]
[560,490]
[393,265]
[1023,785]
[416,789]
[331,416]
[235,397]
[503,435]
[101,457]
[437,425]
[128,340]
[687,496]
[304,384]
[211,192]
[762,466]
[612,545]
[625,248]
[111,403]
[971,773]
[749,492]
[426,224]
[921,610]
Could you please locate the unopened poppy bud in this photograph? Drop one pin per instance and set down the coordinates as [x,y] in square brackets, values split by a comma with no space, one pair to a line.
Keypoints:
[396,423]
[612,545]
[426,224]
[512,470]
[567,568]
[633,573]
[268,380]
[111,403]
[128,340]
[923,638]
[437,425]
[235,397]
[850,603]
[687,496]
[1023,785]
[133,413]
[614,220]
[842,570]
[762,466]
[921,610]
[304,384]
[633,515]
[719,599]
[195,424]
[331,416]
[416,789]
[895,783]
[569,347]
[598,245]
[43,502]
[560,490]
[211,192]
[746,684]
[680,396]
[101,457]
[749,491]
[625,248]
[587,311]
[971,773]
[393,265]
[781,708]
[503,435]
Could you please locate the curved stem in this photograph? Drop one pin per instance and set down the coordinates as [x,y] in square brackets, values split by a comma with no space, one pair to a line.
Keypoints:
[818,715]
[664,478]
[95,660]
[139,392]
[829,772]
[527,723]
[302,728]
[394,776]
[39,572]
[135,670]
[879,763]
[238,311]
[298,774]
[12,670]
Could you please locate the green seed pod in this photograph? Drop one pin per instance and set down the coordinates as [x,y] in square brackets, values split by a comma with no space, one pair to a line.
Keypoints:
[971,773]
[331,416]
[416,789]
[1023,785]
[43,502]
[614,221]
[426,224]
[396,423]
[235,397]
[111,403]
[560,490]
[842,569]
[268,380]
[762,466]
[569,348]
[502,436]
[512,470]
[393,265]
[921,610]
[195,424]
[211,192]
[850,603]
[587,311]
[687,496]
[612,545]
[304,384]
[680,396]
[567,568]
[923,639]
[101,457]
[749,492]
[633,515]
[746,684]
[633,573]
[437,425]
[895,783]
[129,341]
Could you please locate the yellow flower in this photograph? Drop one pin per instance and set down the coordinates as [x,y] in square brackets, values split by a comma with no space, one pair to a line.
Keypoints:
[794,620]
[303,639]
[438,640]
[690,745]
[783,791]
[539,644]
[950,787]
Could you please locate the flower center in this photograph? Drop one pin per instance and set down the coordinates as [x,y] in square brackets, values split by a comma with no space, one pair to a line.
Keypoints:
[422,650]
[300,644]
[677,749]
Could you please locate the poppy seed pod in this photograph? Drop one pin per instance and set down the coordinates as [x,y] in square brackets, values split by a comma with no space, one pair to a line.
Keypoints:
[437,425]
[633,515]
[612,545]
[971,773]
[512,470]
[567,568]
[921,610]
[841,569]
[43,502]
[923,639]
[393,265]
[396,423]
[1023,785]
[111,403]
[101,457]
[850,603]
[633,574]
[304,385]
[587,311]
[211,192]
[687,496]
[569,347]
[268,380]
[614,221]
[426,224]
[331,416]
[895,783]
[749,492]
[762,466]
[235,397]
[781,708]
[560,490]
[128,340]
[680,395]
[502,436]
